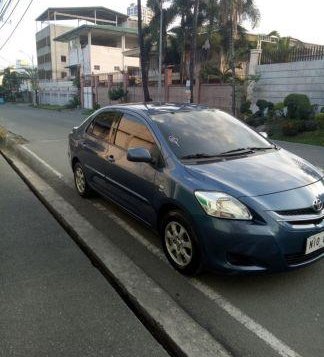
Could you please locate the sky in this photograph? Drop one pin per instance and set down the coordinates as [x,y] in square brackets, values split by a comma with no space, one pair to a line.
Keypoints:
[295,18]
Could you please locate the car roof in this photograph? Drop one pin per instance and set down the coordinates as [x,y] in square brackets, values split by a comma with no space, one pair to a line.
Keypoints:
[153,108]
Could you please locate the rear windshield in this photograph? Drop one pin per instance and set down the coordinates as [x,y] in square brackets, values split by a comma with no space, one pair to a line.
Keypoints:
[207,131]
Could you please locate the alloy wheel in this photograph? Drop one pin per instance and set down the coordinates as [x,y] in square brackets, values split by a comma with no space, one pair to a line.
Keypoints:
[178,243]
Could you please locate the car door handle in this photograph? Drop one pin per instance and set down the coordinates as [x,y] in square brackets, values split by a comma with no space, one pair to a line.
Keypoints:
[111,159]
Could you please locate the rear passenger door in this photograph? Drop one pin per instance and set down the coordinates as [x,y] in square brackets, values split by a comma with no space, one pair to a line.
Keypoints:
[95,147]
[132,183]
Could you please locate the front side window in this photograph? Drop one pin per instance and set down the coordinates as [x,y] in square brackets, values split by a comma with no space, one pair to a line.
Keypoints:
[131,133]
[209,132]
[101,126]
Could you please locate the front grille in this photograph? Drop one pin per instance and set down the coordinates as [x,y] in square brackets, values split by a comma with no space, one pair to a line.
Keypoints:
[297,212]
[301,216]
[295,259]
[308,221]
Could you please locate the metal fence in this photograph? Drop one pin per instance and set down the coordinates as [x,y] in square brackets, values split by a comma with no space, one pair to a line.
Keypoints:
[292,54]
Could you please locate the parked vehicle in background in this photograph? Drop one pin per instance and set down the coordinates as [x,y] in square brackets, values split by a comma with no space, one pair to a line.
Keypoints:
[221,196]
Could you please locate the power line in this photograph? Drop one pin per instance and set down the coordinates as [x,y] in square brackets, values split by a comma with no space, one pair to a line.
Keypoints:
[10,14]
[5,8]
[12,32]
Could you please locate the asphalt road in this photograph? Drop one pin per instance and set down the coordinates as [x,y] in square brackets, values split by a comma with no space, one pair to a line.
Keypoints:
[269,315]
[54,302]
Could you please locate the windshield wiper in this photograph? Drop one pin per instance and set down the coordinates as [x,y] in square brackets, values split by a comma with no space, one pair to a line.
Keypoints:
[197,156]
[246,150]
[262,148]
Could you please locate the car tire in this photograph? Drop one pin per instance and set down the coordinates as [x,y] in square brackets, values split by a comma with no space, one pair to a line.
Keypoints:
[180,243]
[81,184]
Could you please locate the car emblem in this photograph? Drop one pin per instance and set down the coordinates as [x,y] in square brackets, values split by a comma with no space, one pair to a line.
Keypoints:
[317,205]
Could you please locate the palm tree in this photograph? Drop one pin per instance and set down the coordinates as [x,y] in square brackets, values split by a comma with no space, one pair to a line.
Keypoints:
[231,14]
[144,54]
[193,47]
[31,74]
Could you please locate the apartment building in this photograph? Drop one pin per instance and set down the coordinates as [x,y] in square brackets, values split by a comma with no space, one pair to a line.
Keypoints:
[52,56]
[95,46]
[147,13]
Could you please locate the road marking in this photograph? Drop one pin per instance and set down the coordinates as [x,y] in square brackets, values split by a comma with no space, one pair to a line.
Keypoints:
[271,340]
[56,173]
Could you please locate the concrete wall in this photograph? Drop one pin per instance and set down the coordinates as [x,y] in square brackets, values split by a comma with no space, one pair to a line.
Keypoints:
[279,80]
[216,96]
[108,58]
[56,93]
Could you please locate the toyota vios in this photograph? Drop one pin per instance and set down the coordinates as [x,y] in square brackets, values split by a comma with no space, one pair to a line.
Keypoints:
[221,195]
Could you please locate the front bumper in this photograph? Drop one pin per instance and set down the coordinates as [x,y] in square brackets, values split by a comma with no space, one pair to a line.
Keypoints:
[243,246]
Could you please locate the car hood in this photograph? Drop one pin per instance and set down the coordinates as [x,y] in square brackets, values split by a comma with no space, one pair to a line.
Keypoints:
[254,175]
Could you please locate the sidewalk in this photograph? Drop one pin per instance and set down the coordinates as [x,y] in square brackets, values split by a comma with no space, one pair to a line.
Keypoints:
[53,301]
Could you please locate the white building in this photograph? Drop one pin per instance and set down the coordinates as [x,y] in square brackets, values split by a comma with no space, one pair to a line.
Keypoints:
[51,56]
[94,46]
[99,49]
[147,13]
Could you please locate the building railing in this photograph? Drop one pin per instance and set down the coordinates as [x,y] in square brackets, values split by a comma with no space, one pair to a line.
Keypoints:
[292,54]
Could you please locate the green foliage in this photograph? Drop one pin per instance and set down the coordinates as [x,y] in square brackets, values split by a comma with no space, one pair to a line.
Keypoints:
[290,128]
[279,109]
[255,121]
[262,105]
[246,108]
[73,103]
[96,106]
[319,117]
[298,106]
[310,125]
[11,83]
[118,93]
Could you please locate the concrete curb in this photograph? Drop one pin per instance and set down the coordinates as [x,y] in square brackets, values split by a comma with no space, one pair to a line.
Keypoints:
[173,327]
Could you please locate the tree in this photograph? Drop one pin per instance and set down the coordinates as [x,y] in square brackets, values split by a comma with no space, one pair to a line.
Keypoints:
[31,75]
[11,83]
[193,48]
[144,54]
[231,14]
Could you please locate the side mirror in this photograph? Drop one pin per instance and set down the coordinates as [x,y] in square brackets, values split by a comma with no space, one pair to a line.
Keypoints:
[264,134]
[139,155]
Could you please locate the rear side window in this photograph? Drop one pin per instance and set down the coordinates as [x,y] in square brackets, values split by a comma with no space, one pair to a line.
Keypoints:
[131,133]
[102,124]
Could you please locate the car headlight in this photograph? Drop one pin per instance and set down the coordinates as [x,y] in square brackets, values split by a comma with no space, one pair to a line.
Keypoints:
[221,205]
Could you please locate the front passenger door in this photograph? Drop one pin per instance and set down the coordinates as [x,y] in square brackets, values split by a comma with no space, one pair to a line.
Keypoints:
[132,183]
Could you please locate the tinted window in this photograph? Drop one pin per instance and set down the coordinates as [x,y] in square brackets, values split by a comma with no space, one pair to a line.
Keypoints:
[206,131]
[101,125]
[131,133]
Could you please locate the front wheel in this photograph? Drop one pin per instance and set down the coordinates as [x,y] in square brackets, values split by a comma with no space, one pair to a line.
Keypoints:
[180,244]
[80,181]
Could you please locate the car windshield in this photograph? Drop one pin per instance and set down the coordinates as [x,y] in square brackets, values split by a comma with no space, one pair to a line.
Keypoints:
[207,133]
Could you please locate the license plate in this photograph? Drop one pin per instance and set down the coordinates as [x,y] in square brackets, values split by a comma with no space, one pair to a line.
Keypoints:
[314,242]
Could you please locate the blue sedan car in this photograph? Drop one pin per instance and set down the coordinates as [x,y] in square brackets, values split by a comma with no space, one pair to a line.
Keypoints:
[221,195]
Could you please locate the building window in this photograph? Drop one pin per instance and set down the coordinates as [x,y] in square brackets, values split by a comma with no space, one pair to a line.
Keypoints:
[63,58]
[96,67]
[116,68]
[63,74]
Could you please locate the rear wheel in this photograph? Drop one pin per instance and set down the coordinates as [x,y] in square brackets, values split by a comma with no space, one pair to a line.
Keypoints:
[180,243]
[80,181]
